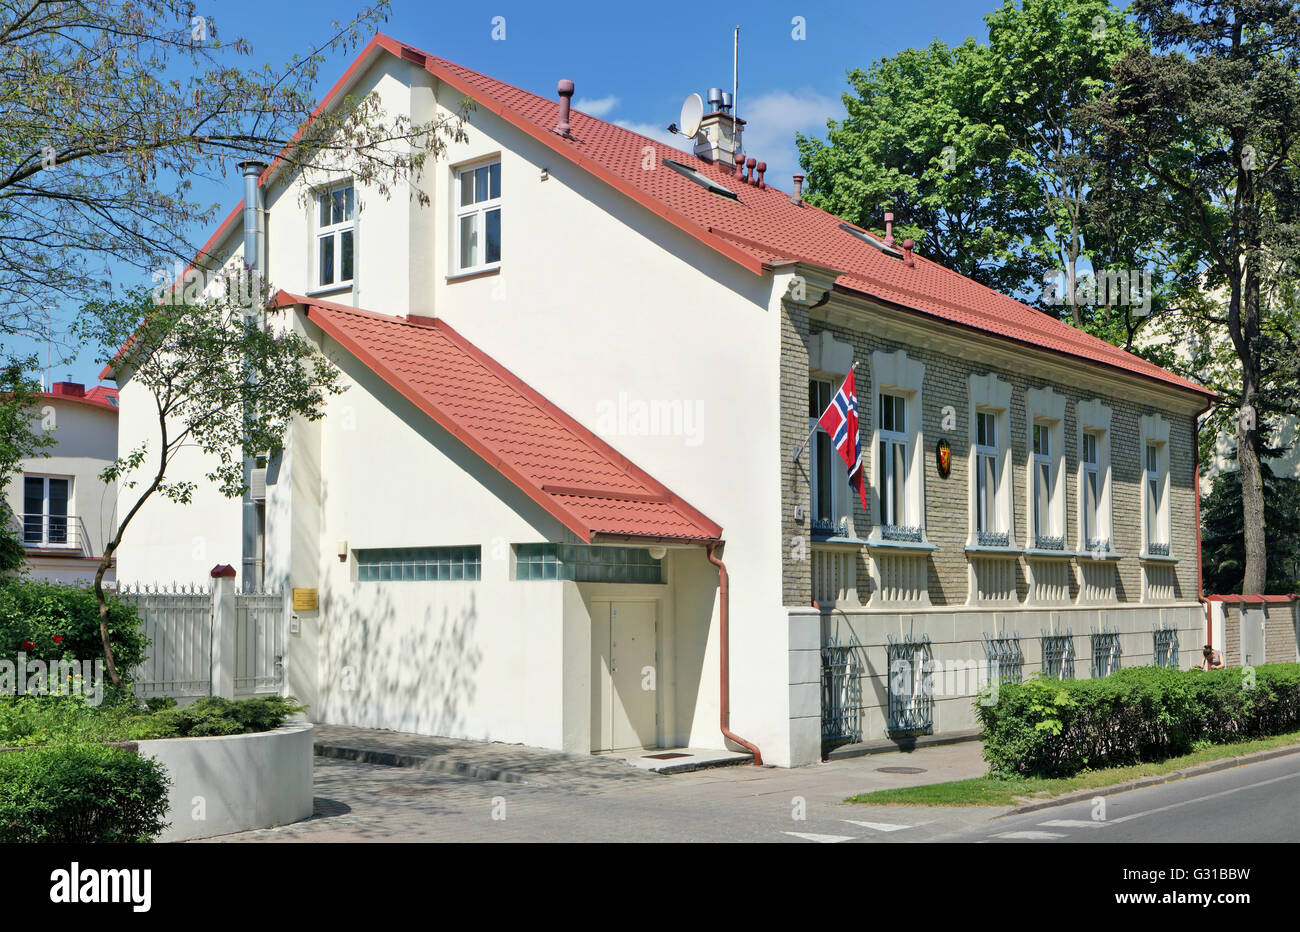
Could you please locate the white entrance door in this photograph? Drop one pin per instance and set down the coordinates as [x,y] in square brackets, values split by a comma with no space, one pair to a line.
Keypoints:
[625,676]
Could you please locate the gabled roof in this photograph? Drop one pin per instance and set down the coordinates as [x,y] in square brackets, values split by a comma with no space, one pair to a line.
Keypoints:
[762,229]
[584,482]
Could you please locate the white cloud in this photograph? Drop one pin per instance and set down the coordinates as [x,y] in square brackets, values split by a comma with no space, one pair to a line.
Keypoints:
[772,119]
[596,106]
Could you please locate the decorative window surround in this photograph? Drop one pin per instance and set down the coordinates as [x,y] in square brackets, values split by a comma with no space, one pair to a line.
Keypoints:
[1094,420]
[992,560]
[899,552]
[829,361]
[1154,445]
[1045,411]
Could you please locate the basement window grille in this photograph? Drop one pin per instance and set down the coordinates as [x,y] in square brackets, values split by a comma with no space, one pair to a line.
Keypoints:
[911,685]
[419,564]
[841,695]
[1105,652]
[1005,658]
[1165,646]
[1058,656]
[587,564]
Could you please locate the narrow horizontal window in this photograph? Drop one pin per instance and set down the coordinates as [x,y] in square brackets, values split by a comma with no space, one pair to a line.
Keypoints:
[581,563]
[419,564]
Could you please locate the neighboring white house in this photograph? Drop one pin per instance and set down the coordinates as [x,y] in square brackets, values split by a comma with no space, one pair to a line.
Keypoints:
[64,511]
[559,504]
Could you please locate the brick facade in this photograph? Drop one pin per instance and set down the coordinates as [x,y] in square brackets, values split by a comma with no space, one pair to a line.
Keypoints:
[946,500]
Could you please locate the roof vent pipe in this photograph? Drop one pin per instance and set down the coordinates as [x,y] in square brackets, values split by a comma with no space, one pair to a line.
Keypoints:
[908,259]
[254,217]
[565,90]
[762,167]
[714,98]
[726,101]
[797,196]
[889,228]
[750,164]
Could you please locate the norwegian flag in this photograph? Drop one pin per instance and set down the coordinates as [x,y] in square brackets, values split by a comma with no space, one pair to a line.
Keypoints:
[840,420]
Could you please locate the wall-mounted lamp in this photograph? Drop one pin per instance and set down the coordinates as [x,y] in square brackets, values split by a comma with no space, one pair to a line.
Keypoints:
[658,553]
[343,551]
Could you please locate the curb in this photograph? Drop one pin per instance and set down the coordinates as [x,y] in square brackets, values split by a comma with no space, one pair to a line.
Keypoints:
[393,759]
[1215,766]
[847,751]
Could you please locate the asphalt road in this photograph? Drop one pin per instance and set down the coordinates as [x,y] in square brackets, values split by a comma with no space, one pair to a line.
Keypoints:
[365,802]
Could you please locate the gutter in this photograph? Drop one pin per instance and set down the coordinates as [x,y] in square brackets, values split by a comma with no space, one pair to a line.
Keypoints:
[1196,473]
[725,651]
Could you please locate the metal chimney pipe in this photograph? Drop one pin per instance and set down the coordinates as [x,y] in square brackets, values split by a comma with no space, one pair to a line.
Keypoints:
[797,196]
[565,90]
[254,217]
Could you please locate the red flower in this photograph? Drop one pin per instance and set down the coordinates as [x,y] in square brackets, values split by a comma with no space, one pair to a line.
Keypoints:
[29,645]
[58,639]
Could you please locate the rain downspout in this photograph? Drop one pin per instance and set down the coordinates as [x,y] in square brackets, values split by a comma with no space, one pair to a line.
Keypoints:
[725,652]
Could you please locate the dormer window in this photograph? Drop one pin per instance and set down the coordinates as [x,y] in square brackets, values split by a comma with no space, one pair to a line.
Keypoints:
[335,237]
[478,217]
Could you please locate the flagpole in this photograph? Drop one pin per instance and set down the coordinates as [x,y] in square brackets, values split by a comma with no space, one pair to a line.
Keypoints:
[807,440]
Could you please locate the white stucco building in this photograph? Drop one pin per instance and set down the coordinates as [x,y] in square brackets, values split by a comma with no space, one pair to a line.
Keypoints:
[557,503]
[64,511]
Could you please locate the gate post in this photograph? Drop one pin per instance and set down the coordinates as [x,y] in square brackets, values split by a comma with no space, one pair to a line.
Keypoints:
[224,621]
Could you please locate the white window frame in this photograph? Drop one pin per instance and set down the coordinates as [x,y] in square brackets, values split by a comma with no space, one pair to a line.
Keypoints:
[479,210]
[69,533]
[334,231]
[990,395]
[841,503]
[1155,436]
[895,374]
[891,511]
[1045,411]
[1094,419]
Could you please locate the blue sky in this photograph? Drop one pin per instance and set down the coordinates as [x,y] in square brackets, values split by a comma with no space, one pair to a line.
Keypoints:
[632,62]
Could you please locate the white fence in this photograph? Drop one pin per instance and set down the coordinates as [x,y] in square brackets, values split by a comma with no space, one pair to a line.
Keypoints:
[208,642]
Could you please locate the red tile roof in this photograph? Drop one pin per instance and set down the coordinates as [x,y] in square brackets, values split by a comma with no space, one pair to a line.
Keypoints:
[577,477]
[763,229]
[1290,597]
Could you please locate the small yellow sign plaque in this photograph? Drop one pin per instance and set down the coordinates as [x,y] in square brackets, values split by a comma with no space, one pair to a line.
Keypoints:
[304,600]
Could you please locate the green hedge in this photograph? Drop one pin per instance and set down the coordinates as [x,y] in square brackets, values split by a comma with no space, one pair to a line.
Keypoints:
[35,612]
[1049,728]
[81,793]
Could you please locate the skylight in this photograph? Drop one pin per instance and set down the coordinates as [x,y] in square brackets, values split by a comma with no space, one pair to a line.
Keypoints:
[871,240]
[704,181]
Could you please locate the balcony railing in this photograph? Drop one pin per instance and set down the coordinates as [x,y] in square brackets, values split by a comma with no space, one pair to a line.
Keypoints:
[54,533]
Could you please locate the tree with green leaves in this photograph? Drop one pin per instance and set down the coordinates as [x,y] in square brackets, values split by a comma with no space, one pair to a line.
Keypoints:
[976,149]
[20,439]
[1223,533]
[1199,137]
[221,381]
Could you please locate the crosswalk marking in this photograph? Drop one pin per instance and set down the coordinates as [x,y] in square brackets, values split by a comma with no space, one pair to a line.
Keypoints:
[824,839]
[879,826]
[1030,835]
[1073,823]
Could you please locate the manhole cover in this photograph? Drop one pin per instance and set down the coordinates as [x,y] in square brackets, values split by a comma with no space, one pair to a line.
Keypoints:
[668,756]
[900,770]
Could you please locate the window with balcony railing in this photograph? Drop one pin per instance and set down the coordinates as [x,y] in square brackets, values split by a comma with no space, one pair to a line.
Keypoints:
[45,520]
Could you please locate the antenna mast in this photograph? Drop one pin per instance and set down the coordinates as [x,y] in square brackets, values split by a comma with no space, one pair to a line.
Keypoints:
[735,89]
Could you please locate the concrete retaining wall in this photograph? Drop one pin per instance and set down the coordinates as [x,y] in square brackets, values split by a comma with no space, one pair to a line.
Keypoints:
[235,783]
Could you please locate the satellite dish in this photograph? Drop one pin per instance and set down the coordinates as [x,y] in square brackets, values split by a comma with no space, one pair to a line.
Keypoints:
[692,113]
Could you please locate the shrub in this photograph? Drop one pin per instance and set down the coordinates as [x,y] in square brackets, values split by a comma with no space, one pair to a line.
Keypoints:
[81,793]
[216,716]
[1047,728]
[37,612]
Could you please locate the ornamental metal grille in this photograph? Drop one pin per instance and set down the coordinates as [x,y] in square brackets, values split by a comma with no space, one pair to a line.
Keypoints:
[911,686]
[1165,646]
[1058,655]
[1006,659]
[1158,550]
[1049,543]
[1105,652]
[1098,545]
[841,694]
[992,538]
[900,532]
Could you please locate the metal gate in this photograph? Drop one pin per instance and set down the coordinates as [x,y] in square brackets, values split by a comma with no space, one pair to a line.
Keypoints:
[259,643]
[178,622]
